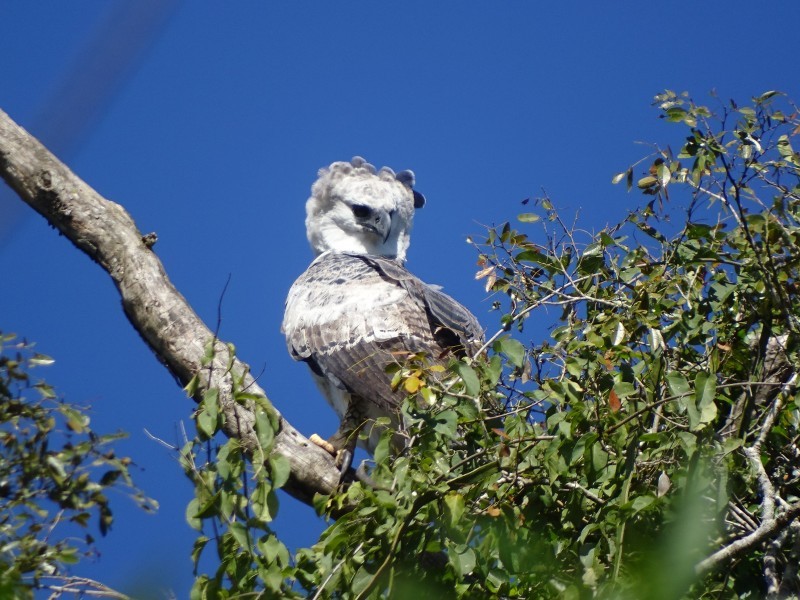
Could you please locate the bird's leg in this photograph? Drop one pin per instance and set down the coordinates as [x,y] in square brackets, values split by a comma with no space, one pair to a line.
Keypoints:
[341,445]
[344,440]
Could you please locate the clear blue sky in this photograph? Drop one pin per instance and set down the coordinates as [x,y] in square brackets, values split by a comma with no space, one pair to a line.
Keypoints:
[215,137]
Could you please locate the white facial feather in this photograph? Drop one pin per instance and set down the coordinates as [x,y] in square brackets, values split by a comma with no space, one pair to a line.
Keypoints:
[354,208]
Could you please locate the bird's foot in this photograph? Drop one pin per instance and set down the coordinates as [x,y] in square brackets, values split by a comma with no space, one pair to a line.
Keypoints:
[324,444]
[344,457]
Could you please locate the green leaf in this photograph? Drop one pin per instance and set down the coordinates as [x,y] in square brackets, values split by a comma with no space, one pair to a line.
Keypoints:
[446,423]
[382,450]
[272,549]
[766,96]
[207,417]
[528,217]
[731,444]
[46,390]
[676,114]
[693,414]
[454,508]
[663,174]
[279,469]
[678,386]
[468,376]
[68,556]
[57,467]
[640,503]
[784,147]
[361,580]
[462,558]
[191,514]
[206,424]
[599,457]
[533,256]
[513,349]
[76,420]
[109,477]
[192,387]
[264,430]
[624,389]
[581,445]
[467,561]
[259,500]
[240,534]
[209,507]
[197,548]
[705,388]
[203,589]
[688,441]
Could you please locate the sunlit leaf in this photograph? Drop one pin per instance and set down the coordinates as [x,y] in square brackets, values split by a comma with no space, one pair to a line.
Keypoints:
[454,504]
[647,182]
[41,360]
[513,349]
[412,384]
[279,469]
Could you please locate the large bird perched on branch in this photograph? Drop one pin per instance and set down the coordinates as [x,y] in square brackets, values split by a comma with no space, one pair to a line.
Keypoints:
[357,309]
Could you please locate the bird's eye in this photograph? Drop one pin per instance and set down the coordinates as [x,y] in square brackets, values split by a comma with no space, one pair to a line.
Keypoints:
[360,211]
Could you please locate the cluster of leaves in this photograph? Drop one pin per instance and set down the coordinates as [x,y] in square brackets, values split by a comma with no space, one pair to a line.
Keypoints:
[54,476]
[648,446]
[432,521]
[235,498]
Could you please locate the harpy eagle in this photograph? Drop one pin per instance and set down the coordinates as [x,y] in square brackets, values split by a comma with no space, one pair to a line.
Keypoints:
[357,309]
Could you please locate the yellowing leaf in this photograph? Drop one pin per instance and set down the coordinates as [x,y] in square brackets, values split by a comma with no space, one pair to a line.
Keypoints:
[412,384]
[528,217]
[646,182]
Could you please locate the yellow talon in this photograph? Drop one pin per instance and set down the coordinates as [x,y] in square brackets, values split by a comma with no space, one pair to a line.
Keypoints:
[324,444]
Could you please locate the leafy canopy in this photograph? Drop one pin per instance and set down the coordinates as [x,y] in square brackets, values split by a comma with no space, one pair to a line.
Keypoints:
[647,447]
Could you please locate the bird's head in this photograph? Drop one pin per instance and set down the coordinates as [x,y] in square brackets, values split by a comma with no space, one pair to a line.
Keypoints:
[355,208]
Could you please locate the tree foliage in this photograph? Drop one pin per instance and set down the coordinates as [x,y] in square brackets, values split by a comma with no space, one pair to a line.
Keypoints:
[235,500]
[54,475]
[648,447]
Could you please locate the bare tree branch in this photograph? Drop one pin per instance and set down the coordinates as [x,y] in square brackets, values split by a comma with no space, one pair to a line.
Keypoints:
[78,587]
[766,530]
[166,322]
[771,525]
